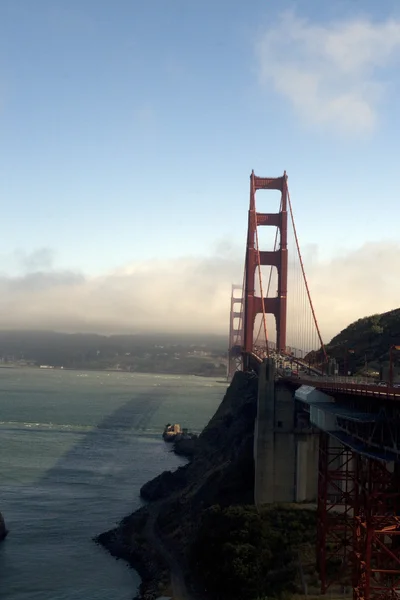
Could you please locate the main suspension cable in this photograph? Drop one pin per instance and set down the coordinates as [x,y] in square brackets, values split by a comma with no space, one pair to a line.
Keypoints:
[305,278]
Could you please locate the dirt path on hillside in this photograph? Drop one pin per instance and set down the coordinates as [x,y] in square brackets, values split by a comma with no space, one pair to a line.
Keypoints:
[179,587]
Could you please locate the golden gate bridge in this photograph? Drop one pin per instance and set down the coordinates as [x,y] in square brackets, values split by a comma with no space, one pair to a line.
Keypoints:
[272,316]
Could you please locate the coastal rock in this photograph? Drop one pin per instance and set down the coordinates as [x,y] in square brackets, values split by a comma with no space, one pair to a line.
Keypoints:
[129,542]
[163,485]
[220,472]
[186,446]
[3,529]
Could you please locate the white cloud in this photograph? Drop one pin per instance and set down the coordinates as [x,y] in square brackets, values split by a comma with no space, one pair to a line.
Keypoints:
[179,295]
[42,258]
[356,284]
[333,75]
[193,294]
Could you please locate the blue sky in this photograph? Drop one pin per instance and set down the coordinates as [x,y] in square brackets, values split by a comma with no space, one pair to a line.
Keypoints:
[128,130]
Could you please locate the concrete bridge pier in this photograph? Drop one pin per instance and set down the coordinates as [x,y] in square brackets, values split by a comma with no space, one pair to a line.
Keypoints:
[264,438]
[307,449]
[285,457]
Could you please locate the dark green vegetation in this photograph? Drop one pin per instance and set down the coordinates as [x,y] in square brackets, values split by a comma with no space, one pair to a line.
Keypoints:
[240,553]
[366,342]
[195,355]
[201,517]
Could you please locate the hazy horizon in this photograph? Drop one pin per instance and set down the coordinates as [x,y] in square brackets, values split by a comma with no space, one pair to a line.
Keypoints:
[155,334]
[190,295]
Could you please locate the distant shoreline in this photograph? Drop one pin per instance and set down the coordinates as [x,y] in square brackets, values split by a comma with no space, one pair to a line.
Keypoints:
[88,370]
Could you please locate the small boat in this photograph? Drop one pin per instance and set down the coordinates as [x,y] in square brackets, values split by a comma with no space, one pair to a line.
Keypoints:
[171,432]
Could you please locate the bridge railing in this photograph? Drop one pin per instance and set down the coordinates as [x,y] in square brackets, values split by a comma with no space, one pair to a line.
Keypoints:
[343,379]
[347,385]
[361,386]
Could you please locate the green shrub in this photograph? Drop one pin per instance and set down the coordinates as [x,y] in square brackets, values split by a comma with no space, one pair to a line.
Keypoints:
[240,553]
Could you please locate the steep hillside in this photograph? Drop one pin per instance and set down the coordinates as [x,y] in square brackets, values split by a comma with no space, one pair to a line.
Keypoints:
[221,473]
[200,537]
[367,340]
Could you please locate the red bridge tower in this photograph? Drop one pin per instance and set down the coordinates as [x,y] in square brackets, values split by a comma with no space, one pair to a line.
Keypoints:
[255,257]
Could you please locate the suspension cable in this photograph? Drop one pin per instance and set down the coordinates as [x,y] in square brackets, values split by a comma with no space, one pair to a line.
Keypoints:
[305,278]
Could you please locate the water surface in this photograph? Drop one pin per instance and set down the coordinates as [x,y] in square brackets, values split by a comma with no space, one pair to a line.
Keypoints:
[74,450]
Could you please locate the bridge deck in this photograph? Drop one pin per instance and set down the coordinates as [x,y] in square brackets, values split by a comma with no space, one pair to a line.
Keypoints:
[351,386]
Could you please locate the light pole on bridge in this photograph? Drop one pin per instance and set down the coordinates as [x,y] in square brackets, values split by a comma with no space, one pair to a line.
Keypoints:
[392,347]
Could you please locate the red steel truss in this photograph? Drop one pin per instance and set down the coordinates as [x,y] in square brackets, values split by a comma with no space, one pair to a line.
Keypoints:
[336,492]
[253,304]
[358,530]
[377,531]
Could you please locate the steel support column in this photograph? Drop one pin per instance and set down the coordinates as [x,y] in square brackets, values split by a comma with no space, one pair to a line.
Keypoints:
[377,540]
[336,491]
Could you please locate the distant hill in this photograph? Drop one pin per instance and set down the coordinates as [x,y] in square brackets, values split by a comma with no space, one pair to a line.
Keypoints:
[152,353]
[367,341]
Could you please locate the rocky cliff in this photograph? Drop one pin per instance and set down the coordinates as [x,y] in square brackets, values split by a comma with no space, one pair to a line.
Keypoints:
[3,530]
[157,538]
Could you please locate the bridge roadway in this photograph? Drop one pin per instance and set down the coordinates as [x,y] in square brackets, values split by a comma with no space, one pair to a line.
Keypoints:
[355,386]
[346,385]
[338,443]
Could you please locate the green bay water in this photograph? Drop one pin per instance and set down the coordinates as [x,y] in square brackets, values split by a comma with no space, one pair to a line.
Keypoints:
[75,449]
